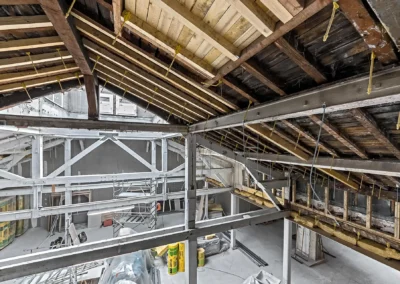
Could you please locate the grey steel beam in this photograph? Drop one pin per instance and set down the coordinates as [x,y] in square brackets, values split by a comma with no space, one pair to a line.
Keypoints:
[25,121]
[21,266]
[347,94]
[376,167]
[108,204]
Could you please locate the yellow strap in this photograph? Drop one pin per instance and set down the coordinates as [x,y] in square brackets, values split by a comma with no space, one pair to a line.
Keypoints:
[265,146]
[334,8]
[127,16]
[169,115]
[247,110]
[177,50]
[79,80]
[348,176]
[380,189]
[33,64]
[220,141]
[122,78]
[70,9]
[297,142]
[105,83]
[273,129]
[236,146]
[214,85]
[59,82]
[123,95]
[398,122]
[371,71]
[319,148]
[323,179]
[95,64]
[362,177]
[26,90]
[62,59]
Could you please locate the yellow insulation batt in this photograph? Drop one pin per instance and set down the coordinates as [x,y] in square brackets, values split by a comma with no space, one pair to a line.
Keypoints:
[351,238]
[258,196]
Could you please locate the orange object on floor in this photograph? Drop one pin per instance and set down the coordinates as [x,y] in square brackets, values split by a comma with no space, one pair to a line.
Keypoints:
[107,223]
[158,206]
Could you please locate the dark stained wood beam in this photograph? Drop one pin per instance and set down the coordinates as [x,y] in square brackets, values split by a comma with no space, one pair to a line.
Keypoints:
[106,5]
[307,64]
[388,13]
[19,2]
[263,42]
[372,32]
[239,88]
[341,137]
[65,27]
[252,67]
[35,93]
[369,123]
[308,136]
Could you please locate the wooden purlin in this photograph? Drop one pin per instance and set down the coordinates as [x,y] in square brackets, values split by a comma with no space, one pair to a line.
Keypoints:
[24,22]
[262,43]
[10,64]
[30,43]
[143,76]
[369,123]
[149,63]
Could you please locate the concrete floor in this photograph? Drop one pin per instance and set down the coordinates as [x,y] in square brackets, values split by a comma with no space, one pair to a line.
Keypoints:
[349,267]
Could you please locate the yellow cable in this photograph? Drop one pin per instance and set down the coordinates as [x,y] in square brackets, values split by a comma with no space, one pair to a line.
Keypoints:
[273,129]
[334,8]
[297,142]
[126,15]
[123,95]
[177,50]
[59,82]
[62,59]
[26,90]
[79,80]
[214,85]
[122,78]
[70,9]
[95,63]
[362,177]
[247,110]
[105,83]
[348,176]
[371,71]
[33,64]
[169,115]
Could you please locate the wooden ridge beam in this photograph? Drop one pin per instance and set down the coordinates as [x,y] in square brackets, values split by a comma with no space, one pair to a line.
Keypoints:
[7,88]
[371,32]
[7,78]
[30,43]
[125,77]
[262,43]
[341,137]
[308,136]
[24,22]
[156,37]
[144,77]
[143,96]
[369,123]
[200,28]
[255,15]
[149,63]
[65,27]
[15,62]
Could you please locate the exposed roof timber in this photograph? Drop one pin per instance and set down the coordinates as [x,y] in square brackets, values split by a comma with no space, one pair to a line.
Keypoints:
[200,28]
[281,143]
[369,123]
[372,33]
[136,85]
[185,57]
[334,131]
[261,43]
[386,89]
[293,6]
[22,97]
[308,136]
[24,22]
[279,10]
[19,2]
[305,61]
[149,98]
[65,27]
[30,43]
[252,67]
[11,63]
[255,15]
[117,6]
[40,82]
[148,62]
[143,76]
[240,88]
[387,12]
[33,121]
[106,5]
[21,76]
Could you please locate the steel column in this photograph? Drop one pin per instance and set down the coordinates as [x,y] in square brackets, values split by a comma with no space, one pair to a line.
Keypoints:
[37,172]
[287,251]
[164,163]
